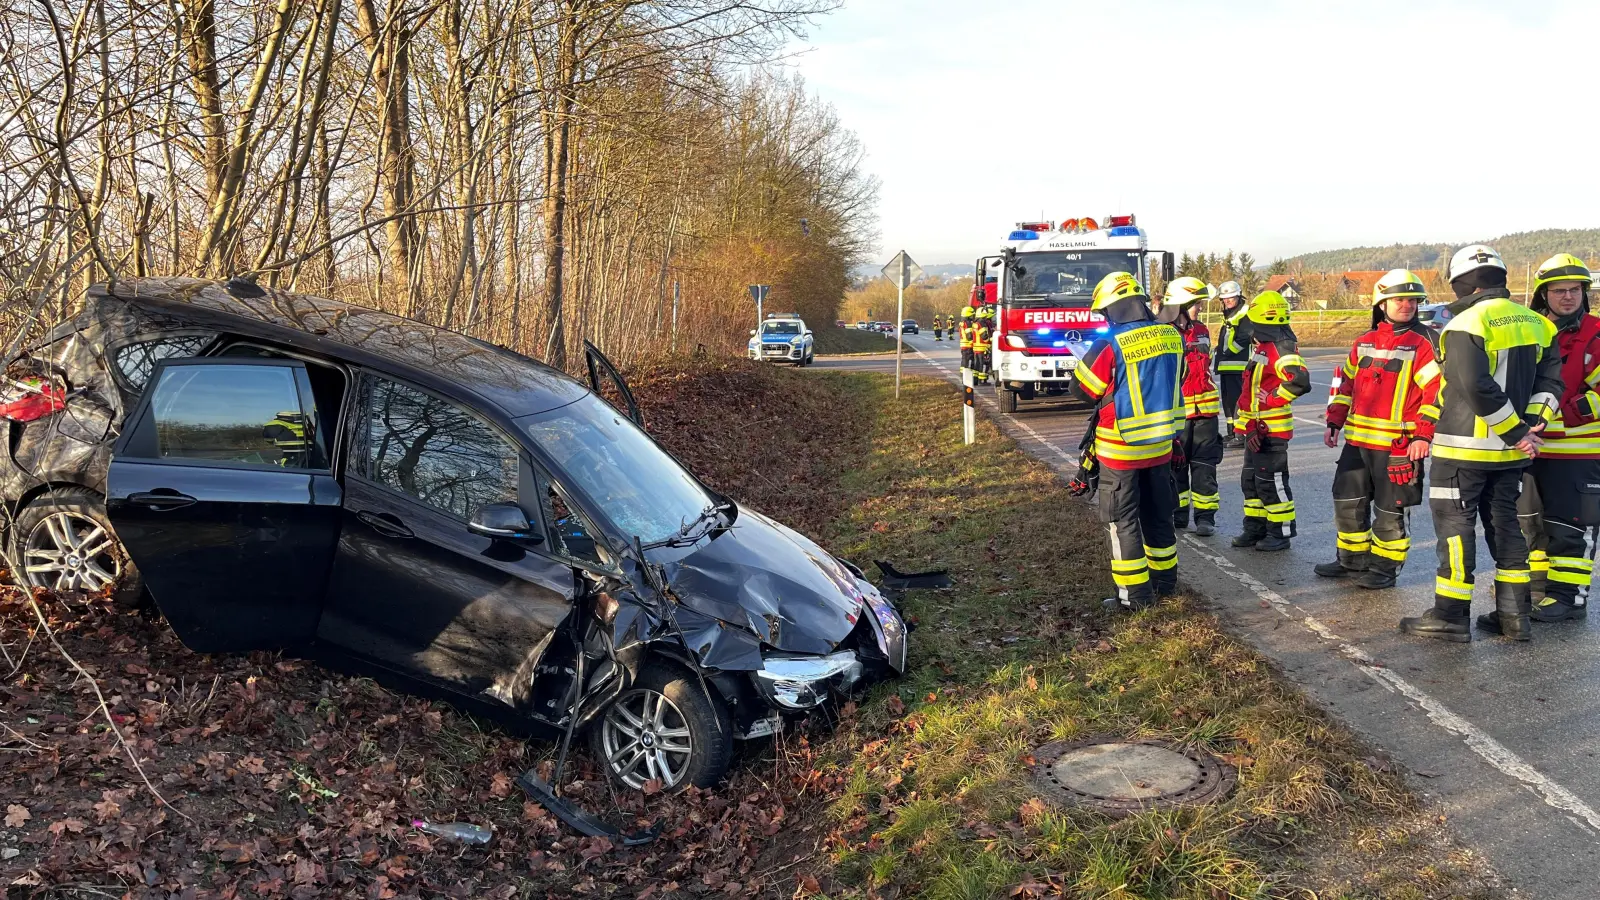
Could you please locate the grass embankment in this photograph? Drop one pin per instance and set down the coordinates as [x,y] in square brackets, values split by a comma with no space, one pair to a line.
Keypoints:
[832,341]
[935,799]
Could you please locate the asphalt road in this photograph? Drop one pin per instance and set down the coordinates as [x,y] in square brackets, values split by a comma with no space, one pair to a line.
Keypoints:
[1503,736]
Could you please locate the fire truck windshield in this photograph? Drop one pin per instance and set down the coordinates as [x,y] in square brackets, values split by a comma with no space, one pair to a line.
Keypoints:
[1065,277]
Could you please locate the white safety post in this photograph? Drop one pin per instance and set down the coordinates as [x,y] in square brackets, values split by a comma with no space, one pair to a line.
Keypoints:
[969,417]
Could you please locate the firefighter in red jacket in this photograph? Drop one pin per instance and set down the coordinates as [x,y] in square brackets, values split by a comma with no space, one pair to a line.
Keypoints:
[1132,373]
[1385,400]
[1199,448]
[1274,376]
[1560,505]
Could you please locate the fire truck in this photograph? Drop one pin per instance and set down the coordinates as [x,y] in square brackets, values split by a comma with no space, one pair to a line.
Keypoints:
[1041,285]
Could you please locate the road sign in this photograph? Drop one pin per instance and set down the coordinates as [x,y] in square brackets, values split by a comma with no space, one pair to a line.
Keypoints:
[758,292]
[902,271]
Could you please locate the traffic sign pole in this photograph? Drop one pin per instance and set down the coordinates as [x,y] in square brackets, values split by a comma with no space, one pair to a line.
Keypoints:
[902,270]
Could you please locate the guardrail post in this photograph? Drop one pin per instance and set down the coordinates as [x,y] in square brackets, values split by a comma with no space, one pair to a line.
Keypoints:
[969,419]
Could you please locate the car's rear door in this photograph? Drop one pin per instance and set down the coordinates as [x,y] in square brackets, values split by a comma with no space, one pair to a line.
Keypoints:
[221,490]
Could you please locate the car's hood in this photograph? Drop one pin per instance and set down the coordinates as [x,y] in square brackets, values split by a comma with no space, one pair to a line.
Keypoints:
[772,580]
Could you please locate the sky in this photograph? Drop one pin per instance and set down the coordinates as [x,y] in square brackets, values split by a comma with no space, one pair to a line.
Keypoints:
[1269,127]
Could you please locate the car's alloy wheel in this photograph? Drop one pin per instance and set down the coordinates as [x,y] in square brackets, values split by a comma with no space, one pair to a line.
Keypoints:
[66,551]
[645,736]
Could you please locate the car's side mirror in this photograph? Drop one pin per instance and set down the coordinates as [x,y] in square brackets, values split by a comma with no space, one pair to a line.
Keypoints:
[752,332]
[503,521]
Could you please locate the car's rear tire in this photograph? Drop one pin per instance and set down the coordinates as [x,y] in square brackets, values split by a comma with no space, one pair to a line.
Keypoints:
[64,542]
[690,737]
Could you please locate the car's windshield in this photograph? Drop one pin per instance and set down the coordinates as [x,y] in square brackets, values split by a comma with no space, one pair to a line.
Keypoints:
[780,328]
[630,480]
[1065,278]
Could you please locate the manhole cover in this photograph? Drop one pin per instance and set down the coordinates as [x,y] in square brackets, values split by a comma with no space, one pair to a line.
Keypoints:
[1121,777]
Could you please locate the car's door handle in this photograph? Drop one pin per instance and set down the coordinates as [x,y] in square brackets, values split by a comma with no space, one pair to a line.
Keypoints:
[384,523]
[162,499]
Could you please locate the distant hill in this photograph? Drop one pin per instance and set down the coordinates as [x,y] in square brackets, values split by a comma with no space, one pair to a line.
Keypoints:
[1521,249]
[869,271]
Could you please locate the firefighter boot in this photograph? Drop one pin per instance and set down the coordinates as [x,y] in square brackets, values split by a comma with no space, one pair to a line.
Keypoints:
[1381,573]
[1180,519]
[1450,622]
[1550,609]
[1205,524]
[1512,612]
[1272,543]
[1348,565]
[1255,531]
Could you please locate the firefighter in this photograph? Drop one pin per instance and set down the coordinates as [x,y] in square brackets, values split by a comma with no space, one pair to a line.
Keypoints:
[1501,374]
[1199,447]
[1560,506]
[1132,373]
[982,341]
[287,432]
[1274,376]
[1384,400]
[1231,353]
[938,327]
[965,335]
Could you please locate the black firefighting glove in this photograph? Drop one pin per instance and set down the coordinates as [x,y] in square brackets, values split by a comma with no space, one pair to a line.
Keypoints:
[1179,460]
[1257,436]
[1088,477]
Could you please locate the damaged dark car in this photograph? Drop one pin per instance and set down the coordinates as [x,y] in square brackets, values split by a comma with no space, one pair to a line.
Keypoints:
[286,472]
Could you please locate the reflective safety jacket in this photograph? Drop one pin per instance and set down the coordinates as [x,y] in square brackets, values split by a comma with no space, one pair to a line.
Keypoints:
[1200,397]
[1387,391]
[1502,373]
[1139,365]
[1231,355]
[966,335]
[1574,430]
[980,338]
[1277,368]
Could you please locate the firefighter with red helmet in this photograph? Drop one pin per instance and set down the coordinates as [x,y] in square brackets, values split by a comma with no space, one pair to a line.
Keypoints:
[1198,451]
[1133,373]
[1384,400]
[1274,376]
[1560,505]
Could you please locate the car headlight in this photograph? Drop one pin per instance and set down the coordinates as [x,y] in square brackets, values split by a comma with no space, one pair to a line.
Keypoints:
[1015,342]
[802,682]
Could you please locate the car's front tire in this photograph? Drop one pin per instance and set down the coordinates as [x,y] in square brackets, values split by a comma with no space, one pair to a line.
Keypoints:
[64,542]
[665,727]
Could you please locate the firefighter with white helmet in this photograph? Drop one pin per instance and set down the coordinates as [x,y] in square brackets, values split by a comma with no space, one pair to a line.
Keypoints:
[1198,450]
[1231,353]
[1560,506]
[1384,400]
[1501,385]
[1132,373]
[1275,375]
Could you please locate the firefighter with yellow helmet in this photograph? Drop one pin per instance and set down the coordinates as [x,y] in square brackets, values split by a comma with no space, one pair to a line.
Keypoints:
[1502,383]
[1560,506]
[964,335]
[1199,448]
[983,342]
[1132,373]
[1274,376]
[1384,400]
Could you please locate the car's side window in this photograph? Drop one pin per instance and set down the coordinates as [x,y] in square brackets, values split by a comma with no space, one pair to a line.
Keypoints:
[237,414]
[569,532]
[134,362]
[435,451]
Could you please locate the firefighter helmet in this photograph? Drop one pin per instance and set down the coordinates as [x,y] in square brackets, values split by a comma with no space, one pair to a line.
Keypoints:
[1398,283]
[1269,308]
[1229,290]
[1186,290]
[966,312]
[1561,267]
[1474,256]
[1114,287]
[985,312]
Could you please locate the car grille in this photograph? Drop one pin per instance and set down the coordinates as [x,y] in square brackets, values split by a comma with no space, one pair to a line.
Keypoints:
[775,349]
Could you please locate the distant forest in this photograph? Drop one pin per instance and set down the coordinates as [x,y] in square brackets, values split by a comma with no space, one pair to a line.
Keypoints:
[1519,250]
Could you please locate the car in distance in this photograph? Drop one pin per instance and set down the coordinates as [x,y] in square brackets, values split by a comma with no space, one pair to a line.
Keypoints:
[909,326]
[782,336]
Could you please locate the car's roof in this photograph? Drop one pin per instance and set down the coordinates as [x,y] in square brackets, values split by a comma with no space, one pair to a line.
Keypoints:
[433,357]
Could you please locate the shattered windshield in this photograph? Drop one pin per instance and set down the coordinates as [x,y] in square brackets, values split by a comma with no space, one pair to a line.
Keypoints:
[633,482]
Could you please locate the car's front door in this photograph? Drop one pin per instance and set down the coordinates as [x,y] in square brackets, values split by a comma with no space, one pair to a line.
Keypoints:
[413,590]
[220,489]
[605,380]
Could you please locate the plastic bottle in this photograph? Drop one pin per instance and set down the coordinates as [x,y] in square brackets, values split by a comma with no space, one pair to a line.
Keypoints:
[455,831]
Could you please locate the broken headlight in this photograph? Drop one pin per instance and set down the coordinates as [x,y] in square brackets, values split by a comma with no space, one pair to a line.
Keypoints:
[802,682]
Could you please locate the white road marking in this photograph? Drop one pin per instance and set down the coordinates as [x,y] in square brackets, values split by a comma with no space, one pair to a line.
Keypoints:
[1490,750]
